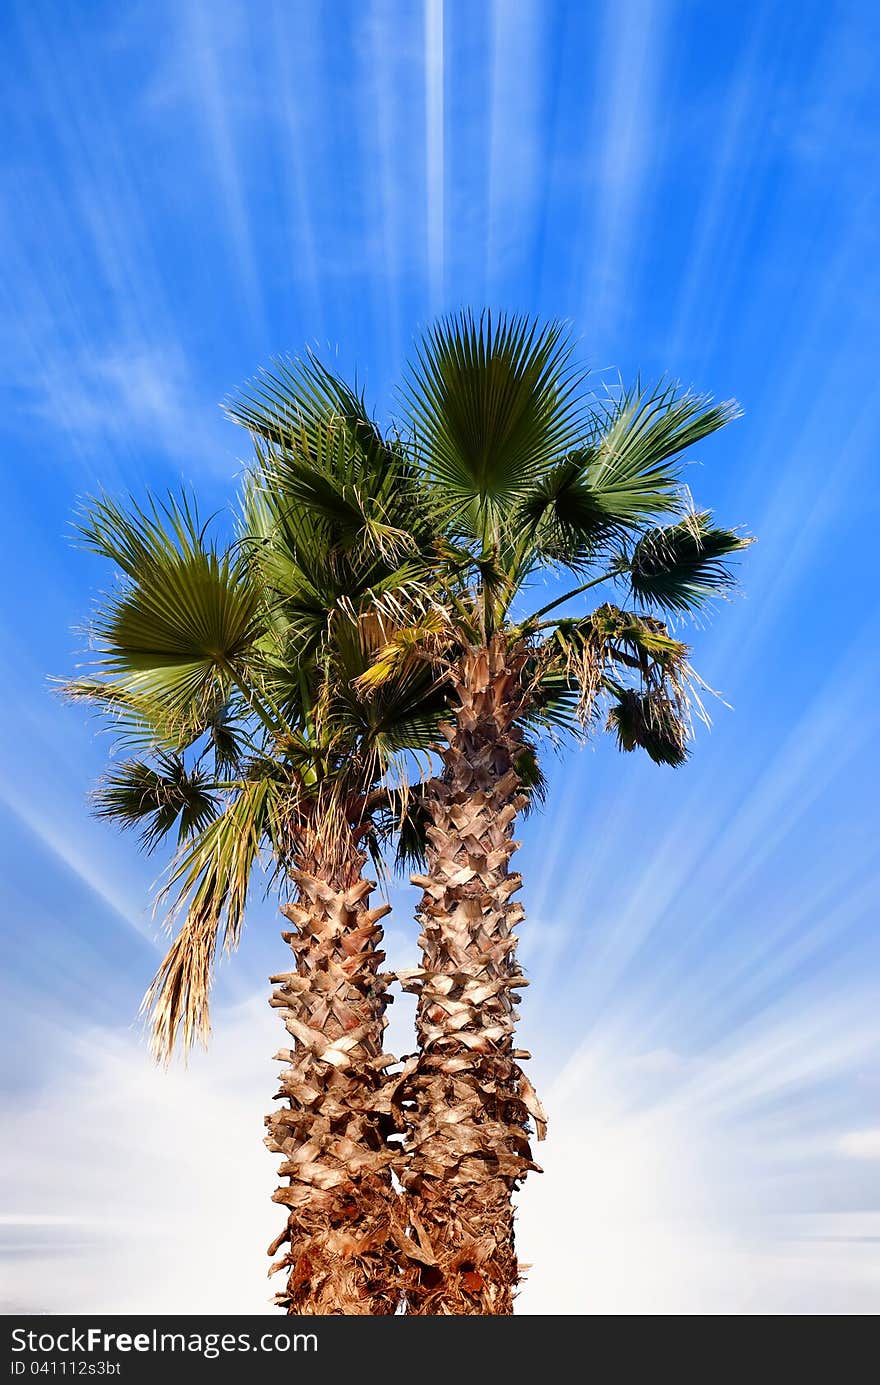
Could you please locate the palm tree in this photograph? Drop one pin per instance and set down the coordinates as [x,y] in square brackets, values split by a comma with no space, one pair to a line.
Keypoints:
[535,476]
[271,689]
[230,673]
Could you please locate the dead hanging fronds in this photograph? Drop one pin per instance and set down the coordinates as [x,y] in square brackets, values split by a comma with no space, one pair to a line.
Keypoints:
[410,627]
[399,603]
[177,999]
[612,639]
[209,878]
[652,722]
[407,648]
[400,636]
[630,663]
[319,838]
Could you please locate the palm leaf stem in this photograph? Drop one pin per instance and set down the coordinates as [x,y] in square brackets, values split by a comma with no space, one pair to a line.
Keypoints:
[559,601]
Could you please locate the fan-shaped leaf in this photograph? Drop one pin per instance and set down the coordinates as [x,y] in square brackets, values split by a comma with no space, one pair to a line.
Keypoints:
[494,401]
[156,798]
[680,567]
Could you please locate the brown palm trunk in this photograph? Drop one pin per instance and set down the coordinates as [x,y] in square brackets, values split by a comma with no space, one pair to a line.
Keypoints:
[344,1217]
[466,1098]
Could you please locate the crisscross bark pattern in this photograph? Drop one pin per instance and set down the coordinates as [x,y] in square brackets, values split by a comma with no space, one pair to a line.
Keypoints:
[344,1222]
[466,1099]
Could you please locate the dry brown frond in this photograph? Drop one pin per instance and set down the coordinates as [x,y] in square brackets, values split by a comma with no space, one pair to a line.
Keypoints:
[424,640]
[211,876]
[177,999]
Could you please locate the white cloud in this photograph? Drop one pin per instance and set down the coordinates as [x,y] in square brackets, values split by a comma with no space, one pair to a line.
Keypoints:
[693,1196]
[860,1144]
[631,61]
[131,393]
[707,1192]
[154,1185]
[661,1062]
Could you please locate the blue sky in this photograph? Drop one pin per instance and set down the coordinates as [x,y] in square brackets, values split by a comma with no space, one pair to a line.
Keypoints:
[189,189]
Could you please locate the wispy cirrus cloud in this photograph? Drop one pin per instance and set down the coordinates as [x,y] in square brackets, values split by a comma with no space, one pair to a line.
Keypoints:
[435,150]
[117,391]
[204,67]
[78,856]
[629,69]
[516,129]
[106,403]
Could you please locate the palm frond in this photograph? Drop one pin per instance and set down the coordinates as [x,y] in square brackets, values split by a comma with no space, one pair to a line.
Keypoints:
[406,649]
[180,629]
[652,722]
[408,821]
[211,880]
[562,517]
[226,738]
[156,798]
[584,649]
[321,454]
[178,997]
[533,781]
[133,535]
[141,726]
[681,567]
[291,402]
[631,465]
[493,401]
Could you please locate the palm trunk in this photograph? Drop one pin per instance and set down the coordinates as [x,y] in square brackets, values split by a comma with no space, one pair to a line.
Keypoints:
[466,1098]
[344,1219]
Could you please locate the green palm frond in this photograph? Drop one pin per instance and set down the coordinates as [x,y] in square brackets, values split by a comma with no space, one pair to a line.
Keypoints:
[631,465]
[321,481]
[141,727]
[406,820]
[356,520]
[533,781]
[133,536]
[414,733]
[321,455]
[178,634]
[226,738]
[554,709]
[292,402]
[681,567]
[562,518]
[493,401]
[328,530]
[156,798]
